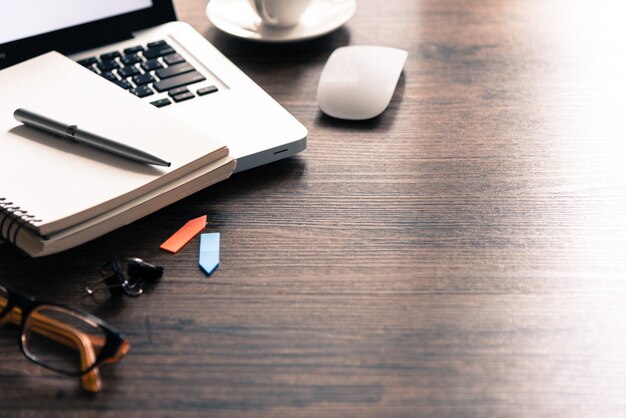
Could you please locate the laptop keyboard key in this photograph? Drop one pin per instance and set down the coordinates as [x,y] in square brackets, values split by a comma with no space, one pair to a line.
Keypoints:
[157,43]
[177,91]
[130,59]
[110,56]
[158,51]
[206,90]
[151,65]
[123,84]
[183,96]
[178,81]
[109,75]
[173,70]
[142,79]
[134,49]
[142,91]
[88,62]
[108,65]
[173,59]
[128,71]
[161,103]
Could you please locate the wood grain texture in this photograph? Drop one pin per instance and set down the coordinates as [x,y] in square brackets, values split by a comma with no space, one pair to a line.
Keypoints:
[462,255]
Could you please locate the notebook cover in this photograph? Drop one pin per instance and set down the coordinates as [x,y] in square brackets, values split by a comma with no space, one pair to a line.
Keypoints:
[62,184]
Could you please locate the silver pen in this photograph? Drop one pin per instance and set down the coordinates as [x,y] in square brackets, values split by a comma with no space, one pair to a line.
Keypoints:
[74,134]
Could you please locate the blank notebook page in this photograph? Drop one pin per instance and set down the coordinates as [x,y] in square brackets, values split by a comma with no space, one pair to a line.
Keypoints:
[62,183]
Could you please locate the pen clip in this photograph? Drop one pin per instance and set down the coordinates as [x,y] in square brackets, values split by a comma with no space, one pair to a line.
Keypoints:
[70,131]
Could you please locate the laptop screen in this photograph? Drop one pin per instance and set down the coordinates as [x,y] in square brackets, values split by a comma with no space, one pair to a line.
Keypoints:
[28,18]
[32,27]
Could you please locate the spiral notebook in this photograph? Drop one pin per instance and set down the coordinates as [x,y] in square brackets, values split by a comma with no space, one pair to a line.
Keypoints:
[54,194]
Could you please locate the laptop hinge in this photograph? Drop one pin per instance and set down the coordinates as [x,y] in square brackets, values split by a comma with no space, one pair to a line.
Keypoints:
[91,44]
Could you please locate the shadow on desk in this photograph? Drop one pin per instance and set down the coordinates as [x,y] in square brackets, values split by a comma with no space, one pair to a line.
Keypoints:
[275,175]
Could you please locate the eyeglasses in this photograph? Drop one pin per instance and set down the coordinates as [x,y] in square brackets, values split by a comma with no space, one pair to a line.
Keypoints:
[63,339]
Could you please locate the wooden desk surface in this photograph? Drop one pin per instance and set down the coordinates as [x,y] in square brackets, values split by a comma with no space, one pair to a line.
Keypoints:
[463,254]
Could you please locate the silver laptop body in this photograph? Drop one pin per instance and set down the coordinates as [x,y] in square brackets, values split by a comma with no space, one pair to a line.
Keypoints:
[215,97]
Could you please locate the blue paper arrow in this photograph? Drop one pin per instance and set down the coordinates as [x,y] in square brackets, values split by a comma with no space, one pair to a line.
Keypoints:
[209,252]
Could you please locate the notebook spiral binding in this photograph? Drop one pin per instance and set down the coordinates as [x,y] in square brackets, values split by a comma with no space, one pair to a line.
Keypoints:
[18,218]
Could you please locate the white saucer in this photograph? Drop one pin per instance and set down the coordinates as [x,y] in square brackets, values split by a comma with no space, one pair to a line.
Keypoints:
[237,18]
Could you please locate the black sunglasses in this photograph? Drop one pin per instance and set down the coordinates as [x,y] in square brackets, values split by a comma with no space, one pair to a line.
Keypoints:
[60,338]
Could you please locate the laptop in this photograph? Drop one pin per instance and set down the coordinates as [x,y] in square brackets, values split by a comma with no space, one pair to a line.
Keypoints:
[139,46]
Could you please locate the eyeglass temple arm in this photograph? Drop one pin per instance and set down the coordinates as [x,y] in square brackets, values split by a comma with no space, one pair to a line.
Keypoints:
[94,341]
[70,337]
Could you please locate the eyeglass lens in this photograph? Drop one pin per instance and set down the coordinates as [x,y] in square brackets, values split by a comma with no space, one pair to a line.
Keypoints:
[62,339]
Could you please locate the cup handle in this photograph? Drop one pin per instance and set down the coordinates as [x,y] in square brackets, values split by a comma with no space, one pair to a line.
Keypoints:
[265,16]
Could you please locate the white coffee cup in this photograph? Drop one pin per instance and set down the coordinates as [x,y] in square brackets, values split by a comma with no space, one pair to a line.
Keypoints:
[280,13]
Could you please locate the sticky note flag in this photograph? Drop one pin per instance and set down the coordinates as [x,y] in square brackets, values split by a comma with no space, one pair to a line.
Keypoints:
[209,252]
[184,234]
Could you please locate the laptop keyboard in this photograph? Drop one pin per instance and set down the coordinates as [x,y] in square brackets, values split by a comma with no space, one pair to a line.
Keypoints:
[146,71]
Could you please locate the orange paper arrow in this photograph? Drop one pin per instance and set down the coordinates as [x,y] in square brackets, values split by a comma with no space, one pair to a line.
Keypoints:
[184,234]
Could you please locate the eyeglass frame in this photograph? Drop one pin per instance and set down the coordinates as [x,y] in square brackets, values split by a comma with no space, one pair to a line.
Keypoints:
[115,343]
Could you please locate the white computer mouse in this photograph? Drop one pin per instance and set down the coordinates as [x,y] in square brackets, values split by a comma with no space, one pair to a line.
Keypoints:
[357,82]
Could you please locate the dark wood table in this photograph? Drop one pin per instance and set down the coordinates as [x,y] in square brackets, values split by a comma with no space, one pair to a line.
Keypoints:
[464,254]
